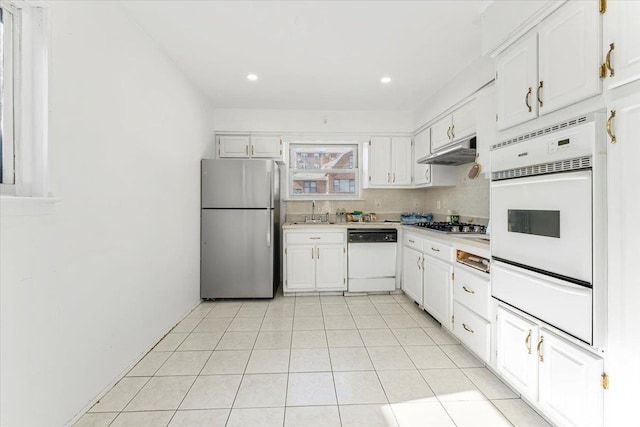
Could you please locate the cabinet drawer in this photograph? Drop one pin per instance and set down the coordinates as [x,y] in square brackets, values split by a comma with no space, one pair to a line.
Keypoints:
[413,241]
[438,250]
[472,290]
[314,238]
[472,331]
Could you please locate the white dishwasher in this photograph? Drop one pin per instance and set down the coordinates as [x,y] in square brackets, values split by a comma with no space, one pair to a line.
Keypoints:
[372,259]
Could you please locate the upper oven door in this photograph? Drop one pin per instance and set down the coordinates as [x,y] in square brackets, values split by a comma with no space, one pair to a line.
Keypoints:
[544,222]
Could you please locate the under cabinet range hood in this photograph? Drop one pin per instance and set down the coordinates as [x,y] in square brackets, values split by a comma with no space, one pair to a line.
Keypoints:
[452,155]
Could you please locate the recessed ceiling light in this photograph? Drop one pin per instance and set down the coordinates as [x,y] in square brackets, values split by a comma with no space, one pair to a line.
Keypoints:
[252,77]
[385,79]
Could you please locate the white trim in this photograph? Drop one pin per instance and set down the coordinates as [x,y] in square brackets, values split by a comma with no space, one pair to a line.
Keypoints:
[26,206]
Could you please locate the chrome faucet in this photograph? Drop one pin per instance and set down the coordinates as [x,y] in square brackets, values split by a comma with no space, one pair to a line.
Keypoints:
[313,210]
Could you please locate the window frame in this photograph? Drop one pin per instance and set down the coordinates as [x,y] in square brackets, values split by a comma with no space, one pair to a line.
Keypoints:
[291,171]
[10,44]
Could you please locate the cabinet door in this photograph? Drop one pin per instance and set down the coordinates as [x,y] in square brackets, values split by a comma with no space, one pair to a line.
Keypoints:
[486,126]
[569,56]
[569,378]
[380,161]
[464,121]
[422,148]
[412,274]
[437,294]
[516,83]
[330,267]
[516,345]
[233,146]
[301,267]
[401,160]
[621,28]
[440,133]
[267,147]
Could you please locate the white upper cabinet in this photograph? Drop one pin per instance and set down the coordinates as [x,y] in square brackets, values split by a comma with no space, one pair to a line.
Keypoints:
[486,126]
[249,146]
[463,123]
[569,56]
[621,43]
[422,142]
[389,161]
[236,146]
[266,147]
[441,133]
[554,66]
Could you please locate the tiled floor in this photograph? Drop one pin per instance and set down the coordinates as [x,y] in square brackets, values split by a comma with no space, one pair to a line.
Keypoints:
[310,361]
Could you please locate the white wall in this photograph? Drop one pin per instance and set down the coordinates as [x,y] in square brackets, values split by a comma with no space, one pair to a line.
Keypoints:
[88,289]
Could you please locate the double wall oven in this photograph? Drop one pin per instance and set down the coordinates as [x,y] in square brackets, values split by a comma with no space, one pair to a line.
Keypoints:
[548,215]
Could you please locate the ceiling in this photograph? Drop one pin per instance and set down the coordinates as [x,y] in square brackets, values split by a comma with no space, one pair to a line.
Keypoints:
[316,55]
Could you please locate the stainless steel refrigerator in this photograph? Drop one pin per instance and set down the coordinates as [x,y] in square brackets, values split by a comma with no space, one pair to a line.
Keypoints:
[240,256]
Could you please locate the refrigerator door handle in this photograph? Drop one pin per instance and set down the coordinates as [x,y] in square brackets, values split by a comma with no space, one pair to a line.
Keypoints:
[270,184]
[269,224]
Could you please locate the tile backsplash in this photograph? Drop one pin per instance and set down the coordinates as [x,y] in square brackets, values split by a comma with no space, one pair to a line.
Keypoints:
[469,198]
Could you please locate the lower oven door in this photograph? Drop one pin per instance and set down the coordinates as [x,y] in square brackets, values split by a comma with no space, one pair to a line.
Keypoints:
[559,303]
[544,222]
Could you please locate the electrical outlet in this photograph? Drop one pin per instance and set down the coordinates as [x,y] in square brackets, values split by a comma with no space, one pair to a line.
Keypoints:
[416,203]
[438,205]
[377,203]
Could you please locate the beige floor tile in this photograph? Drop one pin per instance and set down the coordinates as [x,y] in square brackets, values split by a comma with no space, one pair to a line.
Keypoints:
[382,299]
[350,359]
[212,392]
[475,414]
[353,388]
[332,299]
[402,298]
[363,309]
[237,341]
[461,356]
[219,324]
[184,363]
[252,311]
[97,419]
[171,341]
[226,362]
[223,310]
[413,310]
[390,358]
[306,310]
[392,308]
[489,384]
[451,385]
[519,413]
[424,320]
[271,361]
[143,419]
[339,322]
[273,339]
[335,310]
[277,324]
[405,386]
[412,337]
[200,341]
[262,391]
[280,311]
[419,414]
[399,321]
[309,360]
[379,415]
[371,321]
[344,338]
[312,416]
[357,299]
[311,389]
[256,417]
[120,395]
[440,336]
[429,357]
[187,325]
[208,418]
[311,323]
[378,338]
[149,364]
[308,339]
[161,393]
[245,324]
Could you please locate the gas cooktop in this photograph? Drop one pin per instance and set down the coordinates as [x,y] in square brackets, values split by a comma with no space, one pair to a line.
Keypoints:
[460,228]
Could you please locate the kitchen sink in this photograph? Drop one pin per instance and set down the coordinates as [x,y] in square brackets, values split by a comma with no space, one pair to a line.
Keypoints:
[312,223]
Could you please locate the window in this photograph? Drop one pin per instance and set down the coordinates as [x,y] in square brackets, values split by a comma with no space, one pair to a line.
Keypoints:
[7,146]
[325,170]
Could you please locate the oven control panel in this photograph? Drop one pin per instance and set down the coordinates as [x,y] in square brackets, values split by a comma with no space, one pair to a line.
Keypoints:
[560,145]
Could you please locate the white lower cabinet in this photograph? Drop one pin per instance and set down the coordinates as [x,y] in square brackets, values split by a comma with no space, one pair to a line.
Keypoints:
[472,330]
[412,274]
[436,294]
[559,377]
[315,261]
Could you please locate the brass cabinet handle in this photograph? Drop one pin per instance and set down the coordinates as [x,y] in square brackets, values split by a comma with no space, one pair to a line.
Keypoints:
[418,262]
[607,61]
[388,177]
[526,99]
[412,241]
[527,341]
[394,177]
[453,135]
[448,132]
[311,253]
[317,253]
[252,150]
[471,291]
[538,93]
[422,263]
[467,328]
[246,149]
[315,238]
[609,131]
[539,349]
[434,249]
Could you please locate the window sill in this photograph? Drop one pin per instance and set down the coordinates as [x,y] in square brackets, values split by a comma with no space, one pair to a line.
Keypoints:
[26,206]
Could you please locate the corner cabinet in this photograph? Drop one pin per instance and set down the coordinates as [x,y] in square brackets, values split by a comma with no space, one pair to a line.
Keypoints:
[554,66]
[315,261]
[559,377]
[249,146]
[389,162]
[458,125]
[621,43]
[429,175]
